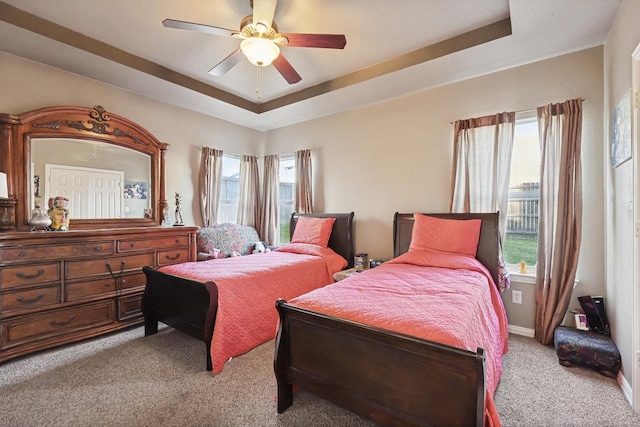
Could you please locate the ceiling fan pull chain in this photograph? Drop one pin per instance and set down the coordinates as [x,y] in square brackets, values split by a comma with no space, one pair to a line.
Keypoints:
[258,84]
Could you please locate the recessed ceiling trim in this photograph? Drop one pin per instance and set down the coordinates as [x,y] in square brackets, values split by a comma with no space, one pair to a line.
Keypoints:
[46,28]
[463,41]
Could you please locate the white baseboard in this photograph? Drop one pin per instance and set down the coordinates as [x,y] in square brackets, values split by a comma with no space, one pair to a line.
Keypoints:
[519,330]
[626,388]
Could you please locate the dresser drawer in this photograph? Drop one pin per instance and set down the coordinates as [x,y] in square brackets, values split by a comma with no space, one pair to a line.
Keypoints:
[24,275]
[38,253]
[29,298]
[103,287]
[129,307]
[172,257]
[133,281]
[158,243]
[93,288]
[21,330]
[106,266]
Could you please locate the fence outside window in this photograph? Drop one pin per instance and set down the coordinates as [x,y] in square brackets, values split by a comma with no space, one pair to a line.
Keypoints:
[285,207]
[229,196]
[522,210]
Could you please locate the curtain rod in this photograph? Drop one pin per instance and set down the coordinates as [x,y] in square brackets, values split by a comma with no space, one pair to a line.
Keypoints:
[240,155]
[584,101]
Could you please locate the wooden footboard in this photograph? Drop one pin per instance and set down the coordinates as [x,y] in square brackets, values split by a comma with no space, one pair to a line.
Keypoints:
[183,304]
[391,379]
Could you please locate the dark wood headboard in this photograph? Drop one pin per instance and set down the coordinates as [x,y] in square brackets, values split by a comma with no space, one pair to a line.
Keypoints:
[341,240]
[488,248]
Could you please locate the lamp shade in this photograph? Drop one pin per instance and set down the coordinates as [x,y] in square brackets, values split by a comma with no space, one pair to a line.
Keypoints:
[260,52]
[4,190]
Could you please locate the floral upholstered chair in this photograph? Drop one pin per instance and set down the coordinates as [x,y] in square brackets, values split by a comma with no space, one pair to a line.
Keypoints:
[225,240]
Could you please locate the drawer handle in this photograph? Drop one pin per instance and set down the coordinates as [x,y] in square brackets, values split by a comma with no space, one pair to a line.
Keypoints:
[98,249]
[30,301]
[111,271]
[21,275]
[22,254]
[56,323]
[172,258]
[132,245]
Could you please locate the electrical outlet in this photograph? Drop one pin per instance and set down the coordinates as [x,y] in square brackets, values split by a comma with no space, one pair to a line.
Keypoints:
[516,297]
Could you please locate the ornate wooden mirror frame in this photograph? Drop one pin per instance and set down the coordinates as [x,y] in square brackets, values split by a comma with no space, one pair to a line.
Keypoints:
[91,124]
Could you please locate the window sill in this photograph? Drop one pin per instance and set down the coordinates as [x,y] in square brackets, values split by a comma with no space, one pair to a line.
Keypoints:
[522,278]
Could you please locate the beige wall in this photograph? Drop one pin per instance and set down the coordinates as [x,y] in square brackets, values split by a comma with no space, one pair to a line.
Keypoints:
[26,86]
[388,157]
[623,39]
[396,155]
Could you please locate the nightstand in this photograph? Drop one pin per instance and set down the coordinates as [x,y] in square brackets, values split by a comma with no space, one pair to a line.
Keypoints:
[343,274]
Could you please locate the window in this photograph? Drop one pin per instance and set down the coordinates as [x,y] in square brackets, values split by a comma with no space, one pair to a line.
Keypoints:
[521,237]
[286,196]
[230,190]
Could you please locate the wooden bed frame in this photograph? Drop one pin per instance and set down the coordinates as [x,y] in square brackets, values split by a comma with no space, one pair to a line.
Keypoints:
[389,378]
[191,306]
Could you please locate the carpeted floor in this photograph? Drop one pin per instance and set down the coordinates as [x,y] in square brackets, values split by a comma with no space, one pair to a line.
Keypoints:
[126,379]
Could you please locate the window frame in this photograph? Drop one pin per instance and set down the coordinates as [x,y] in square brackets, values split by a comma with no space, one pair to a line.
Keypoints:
[526,117]
[284,220]
[222,201]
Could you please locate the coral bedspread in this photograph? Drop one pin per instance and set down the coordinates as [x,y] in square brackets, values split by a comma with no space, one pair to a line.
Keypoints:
[248,287]
[446,298]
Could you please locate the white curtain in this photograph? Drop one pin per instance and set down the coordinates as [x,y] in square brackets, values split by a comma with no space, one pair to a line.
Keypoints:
[249,196]
[269,209]
[482,163]
[303,190]
[210,183]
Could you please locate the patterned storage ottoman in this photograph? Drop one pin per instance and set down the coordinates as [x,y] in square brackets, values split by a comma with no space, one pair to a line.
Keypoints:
[587,348]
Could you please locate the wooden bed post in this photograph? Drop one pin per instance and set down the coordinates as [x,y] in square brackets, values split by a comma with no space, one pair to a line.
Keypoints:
[281,362]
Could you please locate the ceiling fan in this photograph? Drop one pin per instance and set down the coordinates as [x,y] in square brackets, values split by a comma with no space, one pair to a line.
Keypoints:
[261,41]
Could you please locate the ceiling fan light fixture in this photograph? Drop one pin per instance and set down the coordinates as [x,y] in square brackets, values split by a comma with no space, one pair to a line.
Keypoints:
[259,51]
[261,28]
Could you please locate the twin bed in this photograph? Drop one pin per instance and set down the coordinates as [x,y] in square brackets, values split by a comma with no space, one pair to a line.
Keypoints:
[416,341]
[228,303]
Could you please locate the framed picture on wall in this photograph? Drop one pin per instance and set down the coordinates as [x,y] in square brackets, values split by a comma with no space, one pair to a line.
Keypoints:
[621,131]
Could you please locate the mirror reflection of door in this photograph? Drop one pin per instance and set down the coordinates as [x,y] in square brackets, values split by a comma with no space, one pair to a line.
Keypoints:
[92,193]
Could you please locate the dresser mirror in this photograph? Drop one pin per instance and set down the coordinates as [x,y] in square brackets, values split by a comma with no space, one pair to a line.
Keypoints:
[101,180]
[109,168]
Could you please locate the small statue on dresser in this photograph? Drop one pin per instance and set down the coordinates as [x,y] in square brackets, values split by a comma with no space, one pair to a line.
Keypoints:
[59,213]
[179,220]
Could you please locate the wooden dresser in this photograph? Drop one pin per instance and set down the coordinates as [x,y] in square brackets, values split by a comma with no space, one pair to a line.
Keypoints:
[60,287]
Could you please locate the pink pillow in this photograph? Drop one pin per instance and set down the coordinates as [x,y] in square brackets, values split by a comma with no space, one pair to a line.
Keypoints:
[313,230]
[445,235]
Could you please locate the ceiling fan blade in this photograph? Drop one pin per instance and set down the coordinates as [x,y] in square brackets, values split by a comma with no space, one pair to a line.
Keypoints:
[263,11]
[227,63]
[183,25]
[286,70]
[329,41]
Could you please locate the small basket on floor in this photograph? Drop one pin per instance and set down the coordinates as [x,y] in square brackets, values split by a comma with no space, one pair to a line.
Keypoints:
[587,348]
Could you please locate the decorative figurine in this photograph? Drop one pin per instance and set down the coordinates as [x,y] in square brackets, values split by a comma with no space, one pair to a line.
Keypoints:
[59,213]
[522,267]
[178,210]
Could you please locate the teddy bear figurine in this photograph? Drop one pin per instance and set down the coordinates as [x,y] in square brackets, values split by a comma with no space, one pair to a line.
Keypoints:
[260,248]
[59,213]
